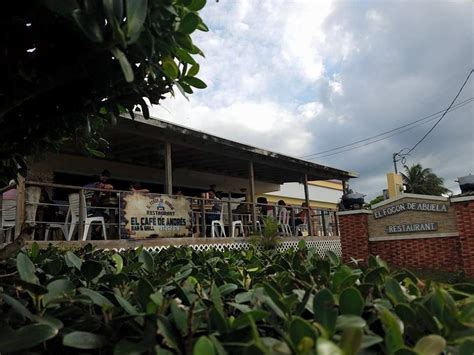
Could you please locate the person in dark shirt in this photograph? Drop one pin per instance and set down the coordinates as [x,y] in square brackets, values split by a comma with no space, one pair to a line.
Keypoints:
[101,182]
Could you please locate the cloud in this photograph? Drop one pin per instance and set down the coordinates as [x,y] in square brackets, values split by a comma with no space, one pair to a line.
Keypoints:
[301,77]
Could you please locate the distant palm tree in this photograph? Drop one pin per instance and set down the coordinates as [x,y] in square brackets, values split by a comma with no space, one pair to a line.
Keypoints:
[423,181]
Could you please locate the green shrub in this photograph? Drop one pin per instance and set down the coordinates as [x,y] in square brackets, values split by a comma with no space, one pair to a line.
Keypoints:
[230,302]
[270,234]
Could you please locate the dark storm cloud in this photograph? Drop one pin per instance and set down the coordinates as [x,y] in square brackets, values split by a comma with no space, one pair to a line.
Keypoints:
[405,60]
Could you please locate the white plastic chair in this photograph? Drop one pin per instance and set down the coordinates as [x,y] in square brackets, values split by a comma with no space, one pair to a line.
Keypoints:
[74,209]
[284,222]
[8,217]
[234,225]
[217,226]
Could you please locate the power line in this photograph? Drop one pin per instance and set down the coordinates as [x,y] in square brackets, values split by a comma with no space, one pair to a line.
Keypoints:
[444,114]
[413,125]
[392,130]
[381,139]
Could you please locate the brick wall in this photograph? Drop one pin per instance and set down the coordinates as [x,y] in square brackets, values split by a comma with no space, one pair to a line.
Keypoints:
[354,232]
[431,253]
[465,220]
[443,252]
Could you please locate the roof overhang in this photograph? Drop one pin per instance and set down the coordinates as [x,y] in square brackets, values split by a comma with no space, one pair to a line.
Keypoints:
[140,141]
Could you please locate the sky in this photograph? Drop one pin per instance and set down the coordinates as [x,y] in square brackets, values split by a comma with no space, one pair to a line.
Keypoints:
[303,77]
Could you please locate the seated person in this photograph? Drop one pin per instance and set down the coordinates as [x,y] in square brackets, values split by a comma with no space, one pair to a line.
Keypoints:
[215,213]
[136,187]
[10,194]
[93,198]
[263,208]
[301,215]
[281,208]
[103,182]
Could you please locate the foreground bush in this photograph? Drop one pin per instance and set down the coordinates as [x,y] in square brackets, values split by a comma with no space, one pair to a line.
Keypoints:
[182,301]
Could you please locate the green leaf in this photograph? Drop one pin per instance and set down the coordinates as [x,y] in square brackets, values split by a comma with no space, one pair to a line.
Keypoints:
[406,313]
[370,340]
[216,298]
[33,288]
[88,25]
[73,260]
[340,277]
[184,56]
[345,321]
[394,291]
[124,63]
[351,302]
[243,320]
[194,70]
[26,337]
[91,269]
[34,251]
[351,341]
[430,345]
[302,334]
[180,318]
[26,269]
[126,347]
[113,10]
[393,330]
[95,297]
[51,321]
[157,298]
[136,15]
[227,288]
[324,310]
[118,261]
[376,276]
[195,82]
[147,260]
[170,68]
[467,347]
[84,340]
[58,289]
[16,305]
[189,23]
[127,306]
[164,328]
[196,5]
[333,258]
[327,347]
[144,290]
[203,346]
[202,27]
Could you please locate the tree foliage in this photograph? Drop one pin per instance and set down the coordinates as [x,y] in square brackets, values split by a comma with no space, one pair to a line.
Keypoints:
[419,180]
[70,67]
[375,200]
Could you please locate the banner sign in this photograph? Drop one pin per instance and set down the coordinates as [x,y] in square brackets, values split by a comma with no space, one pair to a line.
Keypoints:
[412,228]
[410,206]
[147,215]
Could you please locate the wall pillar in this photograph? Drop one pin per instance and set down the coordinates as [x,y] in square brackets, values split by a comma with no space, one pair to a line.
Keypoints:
[464,207]
[354,232]
[168,170]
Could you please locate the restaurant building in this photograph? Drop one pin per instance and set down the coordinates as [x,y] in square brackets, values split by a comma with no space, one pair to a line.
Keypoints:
[169,160]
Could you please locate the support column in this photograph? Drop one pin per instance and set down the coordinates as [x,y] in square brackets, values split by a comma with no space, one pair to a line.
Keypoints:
[354,231]
[464,207]
[252,196]
[20,204]
[308,211]
[168,170]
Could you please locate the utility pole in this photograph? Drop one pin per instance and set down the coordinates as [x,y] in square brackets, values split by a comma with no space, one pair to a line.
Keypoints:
[395,162]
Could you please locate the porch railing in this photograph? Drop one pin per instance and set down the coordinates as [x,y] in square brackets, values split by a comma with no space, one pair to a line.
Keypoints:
[46,206]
